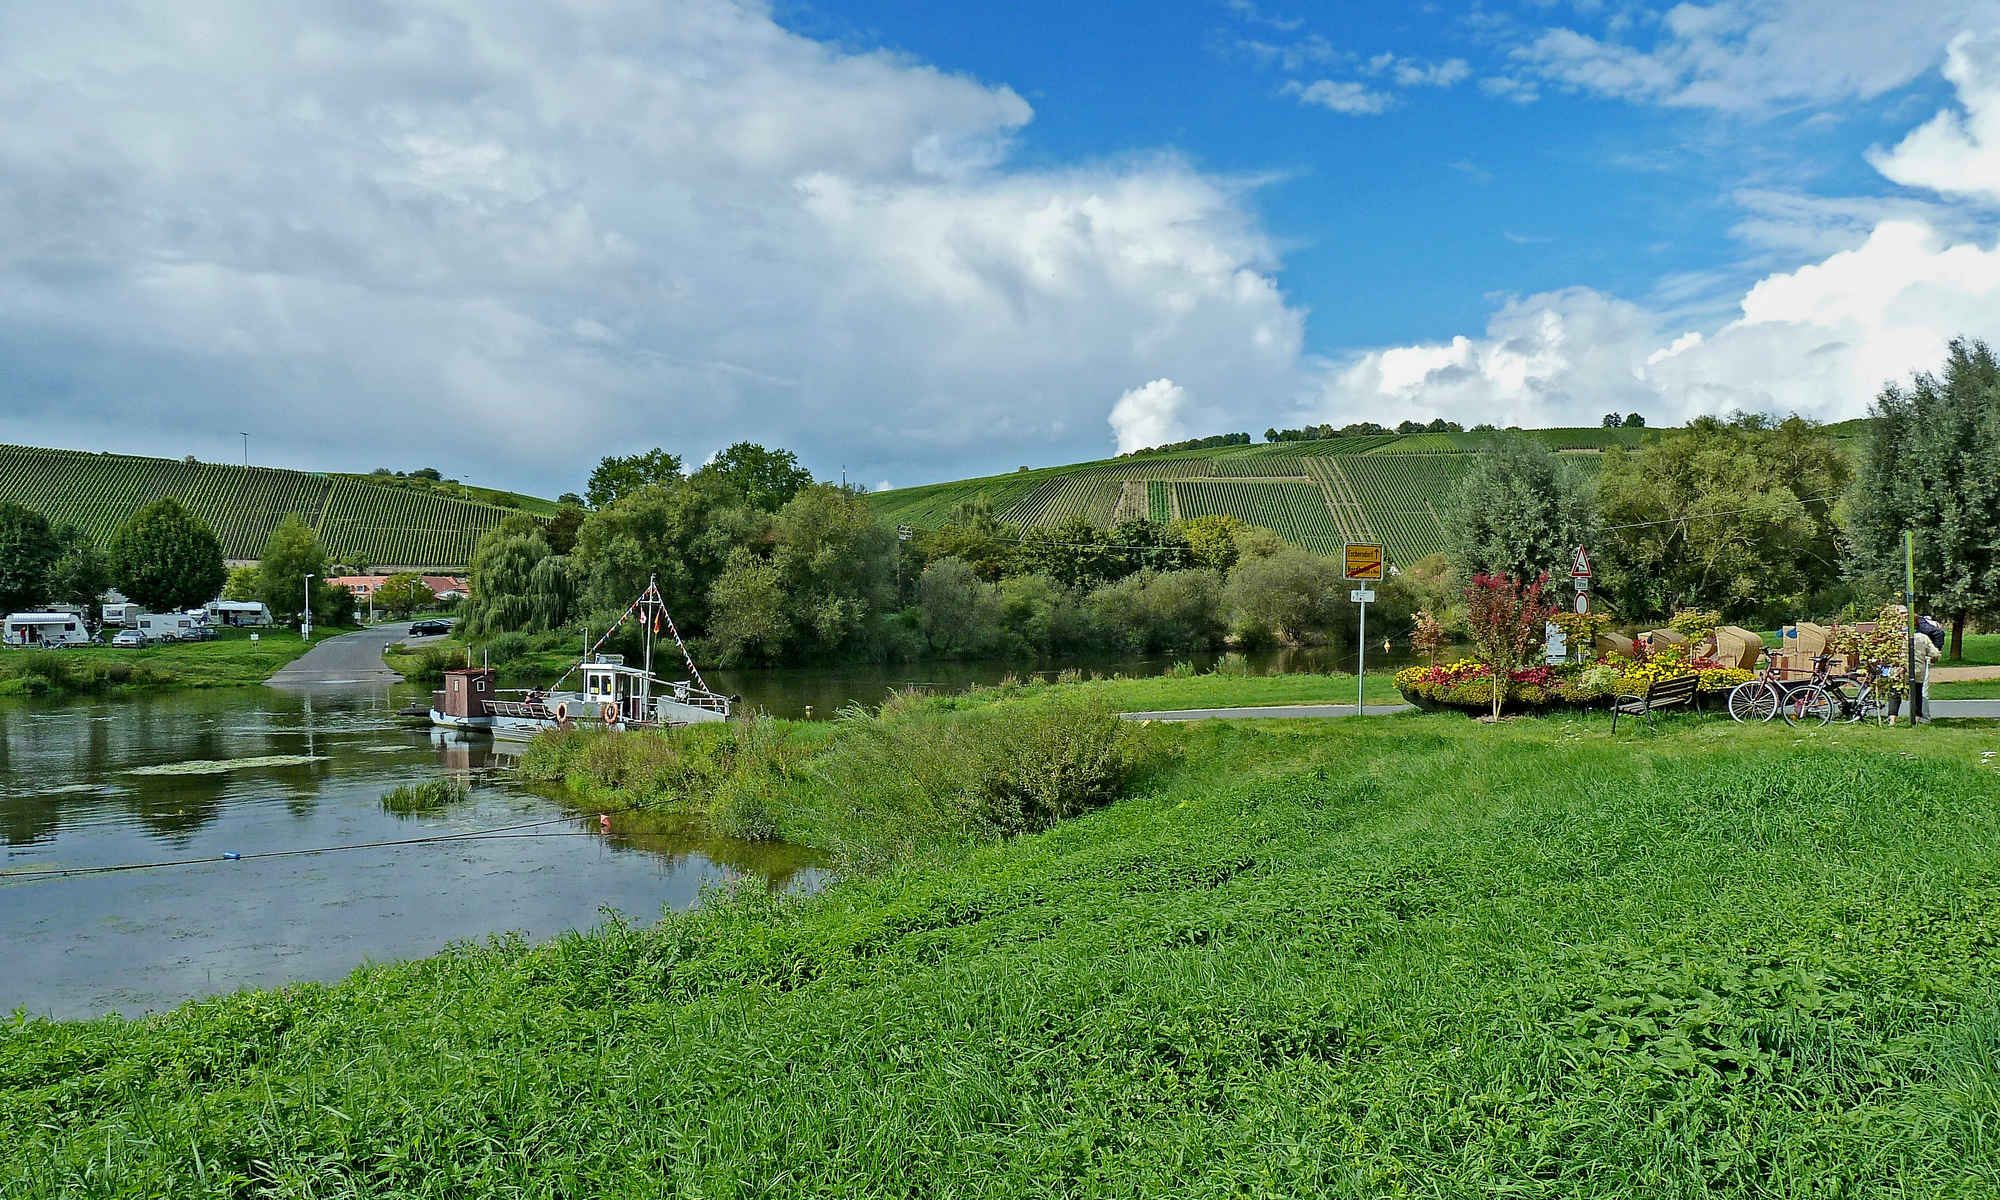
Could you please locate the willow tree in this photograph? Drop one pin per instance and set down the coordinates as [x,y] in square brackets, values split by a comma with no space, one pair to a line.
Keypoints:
[1932,467]
[1519,511]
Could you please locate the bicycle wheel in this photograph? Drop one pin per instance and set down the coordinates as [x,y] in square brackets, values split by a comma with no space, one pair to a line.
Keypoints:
[1810,705]
[1753,700]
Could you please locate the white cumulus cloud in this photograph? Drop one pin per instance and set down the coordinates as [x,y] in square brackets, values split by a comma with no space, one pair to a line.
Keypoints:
[1751,54]
[1820,341]
[525,237]
[1953,154]
[1343,96]
[1150,415]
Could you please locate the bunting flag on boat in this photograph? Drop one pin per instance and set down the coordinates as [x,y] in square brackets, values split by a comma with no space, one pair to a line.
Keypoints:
[653,614]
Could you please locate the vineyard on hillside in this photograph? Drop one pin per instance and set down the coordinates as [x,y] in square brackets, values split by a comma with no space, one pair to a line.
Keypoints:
[1294,510]
[384,526]
[1316,494]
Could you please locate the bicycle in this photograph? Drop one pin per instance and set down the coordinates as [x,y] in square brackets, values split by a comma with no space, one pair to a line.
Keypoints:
[1877,699]
[1758,700]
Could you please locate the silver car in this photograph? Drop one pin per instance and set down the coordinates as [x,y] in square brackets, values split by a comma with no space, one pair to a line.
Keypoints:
[131,638]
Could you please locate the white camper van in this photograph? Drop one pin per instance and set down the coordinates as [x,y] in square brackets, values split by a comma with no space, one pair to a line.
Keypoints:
[167,627]
[123,614]
[45,629]
[238,612]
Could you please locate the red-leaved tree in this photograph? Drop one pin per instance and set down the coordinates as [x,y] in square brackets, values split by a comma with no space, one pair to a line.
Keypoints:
[1508,619]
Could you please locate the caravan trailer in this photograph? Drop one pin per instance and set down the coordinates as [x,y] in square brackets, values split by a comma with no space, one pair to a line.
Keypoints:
[123,614]
[45,629]
[167,627]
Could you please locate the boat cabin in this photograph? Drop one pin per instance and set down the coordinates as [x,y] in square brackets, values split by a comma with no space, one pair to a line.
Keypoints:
[465,693]
[607,680]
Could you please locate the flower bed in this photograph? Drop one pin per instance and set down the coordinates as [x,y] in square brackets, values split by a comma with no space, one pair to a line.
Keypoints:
[1468,685]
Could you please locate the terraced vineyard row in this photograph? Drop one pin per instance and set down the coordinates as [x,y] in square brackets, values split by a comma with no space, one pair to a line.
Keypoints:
[1341,501]
[388,525]
[1295,510]
[1401,495]
[930,506]
[1056,500]
[1160,501]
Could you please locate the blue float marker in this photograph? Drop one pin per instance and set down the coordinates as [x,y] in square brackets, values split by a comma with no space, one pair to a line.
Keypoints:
[231,855]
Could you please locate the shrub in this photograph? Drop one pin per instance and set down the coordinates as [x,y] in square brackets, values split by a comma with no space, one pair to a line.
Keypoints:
[507,648]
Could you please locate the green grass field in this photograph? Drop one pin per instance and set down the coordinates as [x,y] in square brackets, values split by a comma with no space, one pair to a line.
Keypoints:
[1316,494]
[385,525]
[1405,956]
[232,660]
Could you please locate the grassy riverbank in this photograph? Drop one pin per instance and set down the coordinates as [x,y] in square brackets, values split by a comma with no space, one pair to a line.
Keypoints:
[232,660]
[1394,956]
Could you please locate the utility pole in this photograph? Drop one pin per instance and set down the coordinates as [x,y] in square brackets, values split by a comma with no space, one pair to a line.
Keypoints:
[1910,625]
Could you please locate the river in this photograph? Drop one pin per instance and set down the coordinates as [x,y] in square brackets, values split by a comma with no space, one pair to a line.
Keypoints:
[191,777]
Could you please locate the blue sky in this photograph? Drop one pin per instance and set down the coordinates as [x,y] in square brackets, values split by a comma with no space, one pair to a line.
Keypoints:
[922,241]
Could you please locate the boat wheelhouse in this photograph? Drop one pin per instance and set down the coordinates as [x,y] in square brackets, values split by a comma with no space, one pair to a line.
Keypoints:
[609,693]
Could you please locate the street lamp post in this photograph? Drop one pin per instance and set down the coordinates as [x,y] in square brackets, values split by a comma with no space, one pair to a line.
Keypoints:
[306,615]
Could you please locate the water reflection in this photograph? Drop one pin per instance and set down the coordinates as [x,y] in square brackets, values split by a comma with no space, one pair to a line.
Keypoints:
[142,940]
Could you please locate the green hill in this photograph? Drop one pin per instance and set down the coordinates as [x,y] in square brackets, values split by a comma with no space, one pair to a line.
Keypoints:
[384,525]
[1318,494]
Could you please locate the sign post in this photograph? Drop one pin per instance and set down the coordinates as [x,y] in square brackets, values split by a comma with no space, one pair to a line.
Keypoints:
[1364,565]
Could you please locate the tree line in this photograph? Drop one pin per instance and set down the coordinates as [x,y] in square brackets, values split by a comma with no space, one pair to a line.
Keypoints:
[761,564]
[1761,519]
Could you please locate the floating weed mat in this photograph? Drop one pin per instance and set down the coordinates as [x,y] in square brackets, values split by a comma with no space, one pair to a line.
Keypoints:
[221,766]
[428,796]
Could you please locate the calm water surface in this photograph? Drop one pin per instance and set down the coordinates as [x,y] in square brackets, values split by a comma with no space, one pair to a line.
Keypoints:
[196,775]
[127,781]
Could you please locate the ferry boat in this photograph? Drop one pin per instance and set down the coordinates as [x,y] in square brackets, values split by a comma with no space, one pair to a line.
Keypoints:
[610,693]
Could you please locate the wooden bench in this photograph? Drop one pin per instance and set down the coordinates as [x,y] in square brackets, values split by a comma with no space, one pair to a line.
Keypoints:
[1661,693]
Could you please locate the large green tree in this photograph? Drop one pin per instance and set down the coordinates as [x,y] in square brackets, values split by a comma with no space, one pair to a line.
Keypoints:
[1735,515]
[28,548]
[836,563]
[79,574]
[616,478]
[1518,510]
[512,587]
[1932,466]
[166,558]
[764,479]
[292,552]
[682,532]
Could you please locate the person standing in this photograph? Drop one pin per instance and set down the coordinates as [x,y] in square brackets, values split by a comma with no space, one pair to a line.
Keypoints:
[1923,651]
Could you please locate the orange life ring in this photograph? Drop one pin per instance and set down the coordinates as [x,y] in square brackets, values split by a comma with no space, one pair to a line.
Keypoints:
[609,712]
[562,712]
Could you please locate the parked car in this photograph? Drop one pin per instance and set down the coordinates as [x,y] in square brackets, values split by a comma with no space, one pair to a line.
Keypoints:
[430,628]
[131,638]
[200,633]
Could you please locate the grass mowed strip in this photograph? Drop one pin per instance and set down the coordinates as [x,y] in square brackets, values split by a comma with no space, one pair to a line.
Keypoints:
[1395,956]
[232,660]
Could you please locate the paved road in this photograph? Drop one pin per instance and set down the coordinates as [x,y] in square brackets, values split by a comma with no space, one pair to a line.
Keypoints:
[1276,710]
[1941,710]
[1959,710]
[346,661]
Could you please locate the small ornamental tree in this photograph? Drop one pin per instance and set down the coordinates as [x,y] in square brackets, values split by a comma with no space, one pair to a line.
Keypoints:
[1507,620]
[1428,635]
